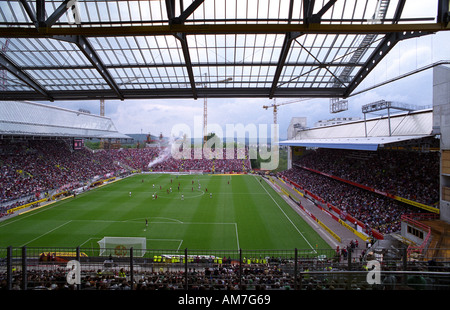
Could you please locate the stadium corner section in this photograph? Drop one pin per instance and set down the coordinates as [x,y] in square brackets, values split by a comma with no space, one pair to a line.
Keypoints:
[333,230]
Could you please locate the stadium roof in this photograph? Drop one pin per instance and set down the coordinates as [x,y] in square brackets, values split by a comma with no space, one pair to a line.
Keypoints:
[38,120]
[369,134]
[110,49]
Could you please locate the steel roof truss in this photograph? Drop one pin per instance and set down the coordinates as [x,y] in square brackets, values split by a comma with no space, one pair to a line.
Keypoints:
[11,67]
[90,53]
[378,54]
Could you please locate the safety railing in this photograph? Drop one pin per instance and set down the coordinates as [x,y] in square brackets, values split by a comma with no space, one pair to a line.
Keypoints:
[414,219]
[29,268]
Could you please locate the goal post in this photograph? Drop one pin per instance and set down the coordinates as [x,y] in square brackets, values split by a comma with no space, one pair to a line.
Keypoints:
[120,246]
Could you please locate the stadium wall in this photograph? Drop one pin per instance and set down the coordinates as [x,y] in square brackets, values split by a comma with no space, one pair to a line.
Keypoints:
[441,125]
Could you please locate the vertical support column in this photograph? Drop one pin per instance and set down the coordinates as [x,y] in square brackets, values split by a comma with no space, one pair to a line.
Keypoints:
[365,125]
[405,265]
[289,157]
[441,126]
[131,267]
[295,269]
[349,259]
[24,269]
[389,120]
[9,268]
[240,268]
[186,278]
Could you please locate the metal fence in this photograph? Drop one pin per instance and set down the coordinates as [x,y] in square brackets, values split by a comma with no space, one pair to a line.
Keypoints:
[29,268]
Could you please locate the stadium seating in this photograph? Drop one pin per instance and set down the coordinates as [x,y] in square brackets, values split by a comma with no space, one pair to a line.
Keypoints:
[31,167]
[375,211]
[408,174]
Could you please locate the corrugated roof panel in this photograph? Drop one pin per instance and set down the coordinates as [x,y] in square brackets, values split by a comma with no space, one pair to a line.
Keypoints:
[26,118]
[412,123]
[403,126]
[361,144]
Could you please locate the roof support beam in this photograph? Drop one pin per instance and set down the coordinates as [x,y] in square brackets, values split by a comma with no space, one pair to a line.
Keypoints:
[398,11]
[30,13]
[187,59]
[39,20]
[110,31]
[383,49]
[191,8]
[12,68]
[288,39]
[198,64]
[182,93]
[57,14]
[170,4]
[318,16]
[90,53]
[443,12]
[40,13]
[389,41]
[170,7]
[308,7]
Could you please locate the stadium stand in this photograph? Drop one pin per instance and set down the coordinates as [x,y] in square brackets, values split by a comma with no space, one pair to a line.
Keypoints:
[31,168]
[287,271]
[374,211]
[38,157]
[409,174]
[384,171]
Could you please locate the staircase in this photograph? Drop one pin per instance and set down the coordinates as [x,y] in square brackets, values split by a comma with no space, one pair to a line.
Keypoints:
[364,44]
[439,247]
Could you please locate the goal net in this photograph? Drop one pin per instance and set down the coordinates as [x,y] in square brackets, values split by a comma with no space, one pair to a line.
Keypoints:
[120,246]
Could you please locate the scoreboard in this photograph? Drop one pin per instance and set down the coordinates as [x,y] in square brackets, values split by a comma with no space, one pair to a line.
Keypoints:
[78,144]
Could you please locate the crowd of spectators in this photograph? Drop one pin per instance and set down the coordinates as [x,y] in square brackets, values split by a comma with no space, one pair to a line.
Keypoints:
[312,275]
[36,166]
[215,277]
[373,210]
[30,168]
[216,161]
[409,174]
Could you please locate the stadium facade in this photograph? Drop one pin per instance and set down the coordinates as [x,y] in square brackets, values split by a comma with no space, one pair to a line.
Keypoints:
[441,126]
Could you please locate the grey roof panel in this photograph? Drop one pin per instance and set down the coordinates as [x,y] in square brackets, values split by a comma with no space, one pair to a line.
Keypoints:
[27,118]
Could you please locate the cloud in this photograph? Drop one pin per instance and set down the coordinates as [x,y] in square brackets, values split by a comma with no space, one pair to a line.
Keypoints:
[152,116]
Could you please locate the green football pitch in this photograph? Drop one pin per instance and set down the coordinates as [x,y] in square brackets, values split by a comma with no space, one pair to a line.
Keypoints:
[203,212]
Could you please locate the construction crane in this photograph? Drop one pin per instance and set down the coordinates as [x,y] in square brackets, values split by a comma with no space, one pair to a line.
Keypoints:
[102,107]
[275,105]
[274,142]
[205,105]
